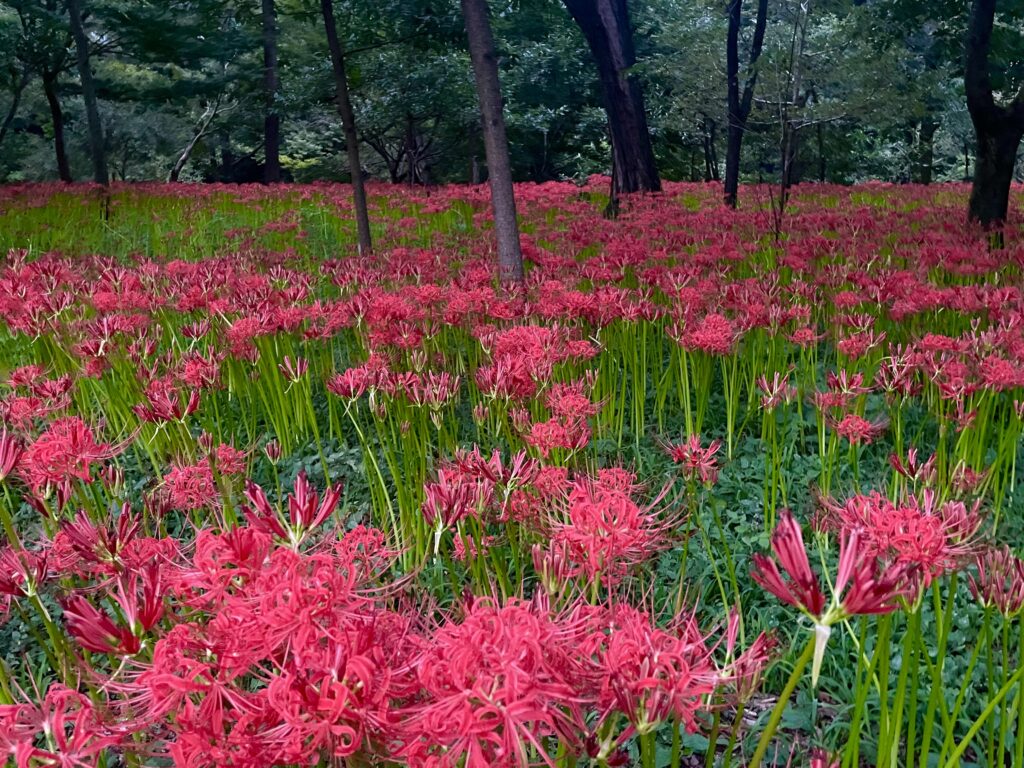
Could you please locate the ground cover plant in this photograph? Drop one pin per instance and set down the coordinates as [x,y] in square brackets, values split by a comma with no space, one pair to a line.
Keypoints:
[705,491]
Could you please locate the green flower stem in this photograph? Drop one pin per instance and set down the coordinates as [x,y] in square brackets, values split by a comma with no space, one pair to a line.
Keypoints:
[776,716]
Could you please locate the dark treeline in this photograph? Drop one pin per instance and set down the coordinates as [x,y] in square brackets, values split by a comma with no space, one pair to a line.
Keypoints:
[300,90]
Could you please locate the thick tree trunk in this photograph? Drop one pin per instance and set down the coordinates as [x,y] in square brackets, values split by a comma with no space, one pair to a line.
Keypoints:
[348,122]
[739,106]
[271,83]
[15,103]
[605,25]
[57,118]
[499,166]
[993,173]
[998,128]
[97,146]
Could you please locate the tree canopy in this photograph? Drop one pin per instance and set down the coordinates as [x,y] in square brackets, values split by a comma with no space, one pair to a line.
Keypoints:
[856,89]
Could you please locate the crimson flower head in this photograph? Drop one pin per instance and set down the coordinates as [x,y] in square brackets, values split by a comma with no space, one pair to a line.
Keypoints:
[96,631]
[859,588]
[652,674]
[1000,581]
[165,403]
[857,429]
[495,686]
[801,590]
[10,452]
[695,461]
[66,450]
[306,510]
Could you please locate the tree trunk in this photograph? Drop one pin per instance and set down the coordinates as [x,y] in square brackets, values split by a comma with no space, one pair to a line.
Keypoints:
[605,25]
[57,117]
[708,127]
[271,83]
[998,128]
[993,173]
[922,157]
[204,126]
[92,113]
[821,152]
[739,106]
[499,166]
[15,103]
[348,122]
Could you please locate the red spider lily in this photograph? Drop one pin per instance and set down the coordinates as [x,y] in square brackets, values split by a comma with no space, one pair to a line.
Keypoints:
[695,461]
[293,370]
[857,429]
[777,392]
[164,403]
[453,497]
[66,450]
[605,533]
[102,546]
[914,470]
[493,686]
[851,384]
[22,571]
[306,510]
[10,453]
[76,737]
[927,538]
[570,435]
[1000,581]
[435,390]
[822,759]
[714,334]
[96,631]
[191,487]
[802,590]
[870,592]
[650,674]
[351,384]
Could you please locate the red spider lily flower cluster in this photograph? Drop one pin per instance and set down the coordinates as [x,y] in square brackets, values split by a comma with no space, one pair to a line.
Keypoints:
[695,461]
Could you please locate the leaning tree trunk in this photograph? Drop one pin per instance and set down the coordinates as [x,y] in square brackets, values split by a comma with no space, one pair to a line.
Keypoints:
[605,25]
[57,118]
[499,166]
[998,128]
[739,106]
[271,83]
[92,113]
[348,123]
[201,130]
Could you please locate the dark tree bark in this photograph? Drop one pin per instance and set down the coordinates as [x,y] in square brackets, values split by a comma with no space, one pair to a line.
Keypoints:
[924,151]
[12,111]
[57,118]
[348,122]
[605,25]
[97,146]
[499,167]
[709,128]
[271,83]
[998,127]
[739,105]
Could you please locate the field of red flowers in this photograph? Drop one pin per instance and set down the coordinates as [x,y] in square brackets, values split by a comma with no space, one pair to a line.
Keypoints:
[714,489]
